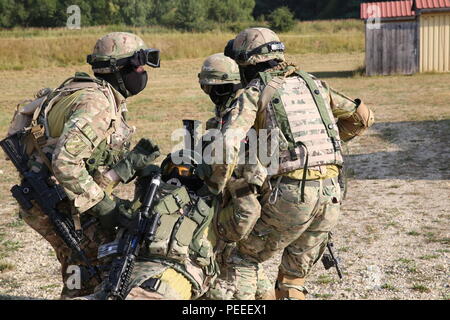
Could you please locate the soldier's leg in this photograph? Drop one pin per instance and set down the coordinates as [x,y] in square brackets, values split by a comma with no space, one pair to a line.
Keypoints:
[281,222]
[300,256]
[237,279]
[264,287]
[93,236]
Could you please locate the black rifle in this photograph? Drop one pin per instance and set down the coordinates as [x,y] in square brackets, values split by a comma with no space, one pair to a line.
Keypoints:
[47,195]
[329,260]
[141,229]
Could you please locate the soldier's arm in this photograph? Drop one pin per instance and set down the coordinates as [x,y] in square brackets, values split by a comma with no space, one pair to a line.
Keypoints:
[86,128]
[236,124]
[353,116]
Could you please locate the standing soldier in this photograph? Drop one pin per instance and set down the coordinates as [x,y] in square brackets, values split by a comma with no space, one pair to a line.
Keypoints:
[220,80]
[79,141]
[301,200]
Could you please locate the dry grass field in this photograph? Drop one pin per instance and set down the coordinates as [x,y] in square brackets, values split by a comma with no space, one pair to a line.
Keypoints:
[393,237]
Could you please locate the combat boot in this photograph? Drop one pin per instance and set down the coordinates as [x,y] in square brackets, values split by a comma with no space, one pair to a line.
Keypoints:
[290,288]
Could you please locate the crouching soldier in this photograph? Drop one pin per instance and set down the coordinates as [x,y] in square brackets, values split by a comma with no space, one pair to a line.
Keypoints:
[72,146]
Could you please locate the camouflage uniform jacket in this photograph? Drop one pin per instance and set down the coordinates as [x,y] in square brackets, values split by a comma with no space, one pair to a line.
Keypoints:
[86,131]
[245,114]
[253,173]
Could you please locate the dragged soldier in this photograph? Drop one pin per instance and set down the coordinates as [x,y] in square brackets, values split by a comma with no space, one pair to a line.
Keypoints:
[77,139]
[176,261]
[309,120]
[240,209]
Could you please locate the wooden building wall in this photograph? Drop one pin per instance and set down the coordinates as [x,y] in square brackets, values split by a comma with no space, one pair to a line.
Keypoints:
[393,48]
[435,42]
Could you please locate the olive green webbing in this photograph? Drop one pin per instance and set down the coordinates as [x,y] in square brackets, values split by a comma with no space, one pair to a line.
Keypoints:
[280,113]
[320,103]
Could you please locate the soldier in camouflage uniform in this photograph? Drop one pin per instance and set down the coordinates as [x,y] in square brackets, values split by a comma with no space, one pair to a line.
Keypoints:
[179,263]
[81,137]
[163,269]
[220,80]
[301,198]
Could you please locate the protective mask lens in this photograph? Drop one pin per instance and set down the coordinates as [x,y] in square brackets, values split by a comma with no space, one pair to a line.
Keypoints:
[152,58]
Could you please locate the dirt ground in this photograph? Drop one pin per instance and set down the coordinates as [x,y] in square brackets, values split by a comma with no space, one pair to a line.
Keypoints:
[393,237]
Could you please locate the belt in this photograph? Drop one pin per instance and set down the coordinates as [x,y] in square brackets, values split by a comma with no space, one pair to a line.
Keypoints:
[309,183]
[286,180]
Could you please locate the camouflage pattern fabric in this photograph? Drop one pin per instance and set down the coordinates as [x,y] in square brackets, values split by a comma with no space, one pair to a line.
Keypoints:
[219,69]
[245,114]
[253,38]
[299,230]
[240,279]
[92,117]
[118,45]
[92,237]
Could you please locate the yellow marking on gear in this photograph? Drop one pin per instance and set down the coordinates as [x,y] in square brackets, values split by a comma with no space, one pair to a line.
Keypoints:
[177,282]
[331,172]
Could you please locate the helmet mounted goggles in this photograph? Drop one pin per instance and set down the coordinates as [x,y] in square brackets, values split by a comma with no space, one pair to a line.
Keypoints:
[242,56]
[150,57]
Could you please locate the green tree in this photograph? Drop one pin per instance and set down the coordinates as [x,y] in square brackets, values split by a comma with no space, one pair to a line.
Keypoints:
[8,16]
[281,20]
[231,10]
[191,15]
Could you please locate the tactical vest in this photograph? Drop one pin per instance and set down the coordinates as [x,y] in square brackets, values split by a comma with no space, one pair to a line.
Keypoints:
[184,239]
[298,108]
[108,152]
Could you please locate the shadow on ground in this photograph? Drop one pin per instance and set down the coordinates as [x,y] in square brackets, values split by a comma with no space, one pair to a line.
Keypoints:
[8,297]
[409,150]
[336,74]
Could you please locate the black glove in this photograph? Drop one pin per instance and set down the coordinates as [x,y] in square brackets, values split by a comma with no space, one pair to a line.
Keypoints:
[203,171]
[112,212]
[143,154]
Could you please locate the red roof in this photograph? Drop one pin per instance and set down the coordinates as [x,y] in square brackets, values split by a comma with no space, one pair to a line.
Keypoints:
[396,9]
[432,4]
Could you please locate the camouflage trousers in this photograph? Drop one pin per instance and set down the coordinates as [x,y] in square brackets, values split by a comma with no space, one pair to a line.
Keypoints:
[239,279]
[299,230]
[93,236]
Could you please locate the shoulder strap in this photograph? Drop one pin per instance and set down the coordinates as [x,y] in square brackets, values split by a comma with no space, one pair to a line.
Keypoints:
[271,94]
[320,102]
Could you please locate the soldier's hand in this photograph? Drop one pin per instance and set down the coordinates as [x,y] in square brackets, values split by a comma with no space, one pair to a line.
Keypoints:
[111,211]
[143,154]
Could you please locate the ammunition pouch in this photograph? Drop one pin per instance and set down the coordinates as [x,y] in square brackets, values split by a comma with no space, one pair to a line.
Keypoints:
[182,232]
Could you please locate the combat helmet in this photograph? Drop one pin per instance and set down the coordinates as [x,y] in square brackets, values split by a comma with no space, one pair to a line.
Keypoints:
[255,45]
[219,69]
[116,51]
